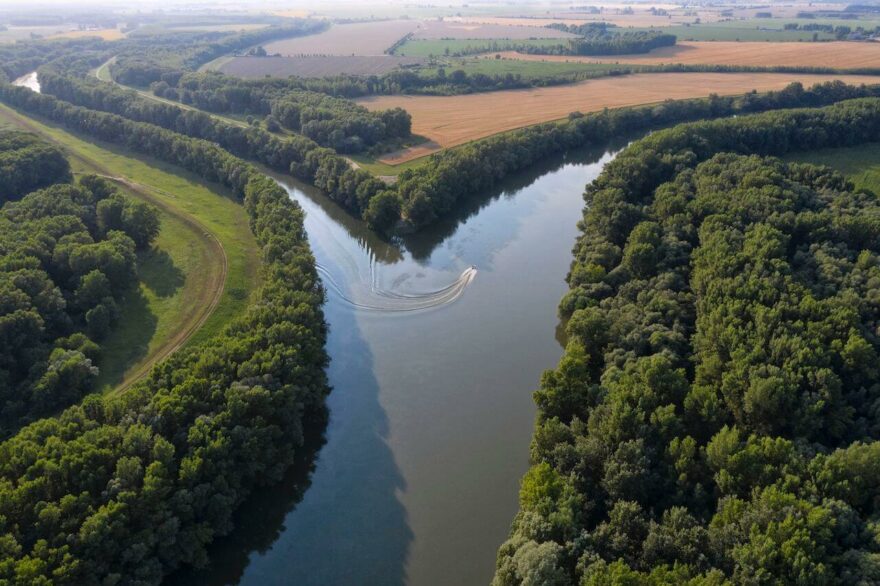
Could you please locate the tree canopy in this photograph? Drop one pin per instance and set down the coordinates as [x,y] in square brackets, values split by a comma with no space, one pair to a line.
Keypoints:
[714,418]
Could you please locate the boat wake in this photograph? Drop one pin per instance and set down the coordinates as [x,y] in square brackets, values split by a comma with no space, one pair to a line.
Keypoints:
[375,298]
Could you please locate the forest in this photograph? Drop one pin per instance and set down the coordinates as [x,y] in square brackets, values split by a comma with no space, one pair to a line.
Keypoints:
[126,488]
[105,104]
[712,420]
[68,257]
[27,163]
[329,121]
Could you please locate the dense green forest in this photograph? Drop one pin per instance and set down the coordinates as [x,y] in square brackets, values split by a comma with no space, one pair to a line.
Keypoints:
[27,163]
[714,417]
[127,488]
[67,257]
[295,154]
[330,121]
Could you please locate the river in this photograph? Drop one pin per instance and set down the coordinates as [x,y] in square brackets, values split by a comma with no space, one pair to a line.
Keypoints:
[431,412]
[433,364]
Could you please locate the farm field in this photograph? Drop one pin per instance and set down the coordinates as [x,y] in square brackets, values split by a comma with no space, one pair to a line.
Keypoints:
[524,68]
[22,33]
[839,54]
[441,29]
[108,34]
[362,38]
[742,31]
[314,66]
[440,47]
[454,120]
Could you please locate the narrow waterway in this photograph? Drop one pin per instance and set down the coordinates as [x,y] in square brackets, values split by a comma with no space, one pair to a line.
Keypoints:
[431,412]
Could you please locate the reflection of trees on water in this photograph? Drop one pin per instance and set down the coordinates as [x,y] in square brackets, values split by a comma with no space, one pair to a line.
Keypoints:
[336,517]
[422,244]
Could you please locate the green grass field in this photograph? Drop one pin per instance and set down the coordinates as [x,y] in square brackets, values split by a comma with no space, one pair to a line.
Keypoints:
[860,164]
[380,169]
[176,274]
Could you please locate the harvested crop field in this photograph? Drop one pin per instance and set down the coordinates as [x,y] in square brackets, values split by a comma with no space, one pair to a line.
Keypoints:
[108,34]
[441,29]
[258,67]
[841,54]
[455,120]
[360,38]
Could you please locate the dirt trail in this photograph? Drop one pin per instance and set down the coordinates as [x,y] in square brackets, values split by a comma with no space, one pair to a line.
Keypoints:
[209,295]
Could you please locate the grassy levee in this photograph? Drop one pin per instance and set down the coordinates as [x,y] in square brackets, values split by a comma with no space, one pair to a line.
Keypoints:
[197,277]
[860,164]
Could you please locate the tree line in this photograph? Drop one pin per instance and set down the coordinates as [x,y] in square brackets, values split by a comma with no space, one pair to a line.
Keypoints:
[28,163]
[295,154]
[424,194]
[67,258]
[128,488]
[429,191]
[144,61]
[330,121]
[143,71]
[714,417]
[599,38]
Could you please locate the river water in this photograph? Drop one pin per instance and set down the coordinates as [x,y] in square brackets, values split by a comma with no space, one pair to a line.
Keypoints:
[431,412]
[436,343]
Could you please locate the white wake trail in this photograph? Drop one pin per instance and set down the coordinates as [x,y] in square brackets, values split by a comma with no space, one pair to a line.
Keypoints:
[382,300]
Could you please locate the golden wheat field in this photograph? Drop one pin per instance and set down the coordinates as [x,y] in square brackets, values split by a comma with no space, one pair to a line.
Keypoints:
[108,34]
[453,120]
[839,54]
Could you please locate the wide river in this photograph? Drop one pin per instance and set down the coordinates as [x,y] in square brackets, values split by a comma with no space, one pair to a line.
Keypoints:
[433,367]
[433,364]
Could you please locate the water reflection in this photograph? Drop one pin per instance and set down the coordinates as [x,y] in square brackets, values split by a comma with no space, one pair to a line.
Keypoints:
[431,413]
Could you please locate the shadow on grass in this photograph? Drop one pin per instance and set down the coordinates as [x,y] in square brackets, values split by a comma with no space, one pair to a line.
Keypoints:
[129,340]
[157,271]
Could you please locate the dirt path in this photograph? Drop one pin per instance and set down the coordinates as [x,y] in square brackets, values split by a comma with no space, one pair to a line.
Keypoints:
[209,296]
[209,293]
